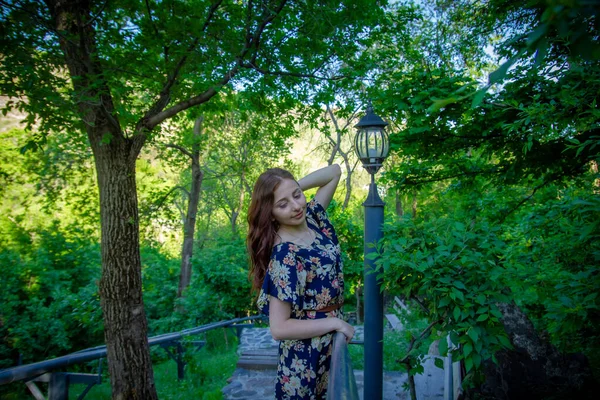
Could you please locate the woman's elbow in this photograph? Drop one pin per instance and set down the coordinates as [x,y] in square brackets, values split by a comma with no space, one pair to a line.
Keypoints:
[276,333]
[337,170]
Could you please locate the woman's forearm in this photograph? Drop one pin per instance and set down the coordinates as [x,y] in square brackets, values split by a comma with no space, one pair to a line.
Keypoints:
[326,179]
[321,177]
[295,329]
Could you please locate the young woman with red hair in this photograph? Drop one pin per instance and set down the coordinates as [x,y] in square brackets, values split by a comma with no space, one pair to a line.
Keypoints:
[296,268]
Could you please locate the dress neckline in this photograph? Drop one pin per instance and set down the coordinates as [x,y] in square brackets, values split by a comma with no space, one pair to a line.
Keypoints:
[311,226]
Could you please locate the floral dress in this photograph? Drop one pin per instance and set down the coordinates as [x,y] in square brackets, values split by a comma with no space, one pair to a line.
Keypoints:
[310,278]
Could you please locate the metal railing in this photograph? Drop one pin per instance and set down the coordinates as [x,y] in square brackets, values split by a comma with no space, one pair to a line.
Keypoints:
[43,370]
[342,384]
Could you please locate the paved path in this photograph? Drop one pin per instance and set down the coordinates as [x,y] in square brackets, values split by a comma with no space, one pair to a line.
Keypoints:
[259,385]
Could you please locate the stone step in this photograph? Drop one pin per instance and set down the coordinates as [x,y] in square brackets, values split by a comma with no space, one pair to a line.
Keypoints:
[258,359]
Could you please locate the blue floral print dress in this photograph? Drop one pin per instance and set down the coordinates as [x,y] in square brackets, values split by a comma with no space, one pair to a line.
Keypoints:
[310,278]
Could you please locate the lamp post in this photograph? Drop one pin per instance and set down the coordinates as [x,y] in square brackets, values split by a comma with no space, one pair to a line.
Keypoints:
[372,146]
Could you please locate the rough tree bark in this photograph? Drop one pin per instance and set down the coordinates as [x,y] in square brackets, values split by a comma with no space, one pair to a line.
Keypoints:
[125,327]
[189,226]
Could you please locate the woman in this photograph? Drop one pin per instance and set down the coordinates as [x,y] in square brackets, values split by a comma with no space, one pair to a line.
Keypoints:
[296,267]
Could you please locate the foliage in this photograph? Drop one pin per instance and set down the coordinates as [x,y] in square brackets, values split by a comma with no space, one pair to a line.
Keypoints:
[552,259]
[504,181]
[49,296]
[350,234]
[453,270]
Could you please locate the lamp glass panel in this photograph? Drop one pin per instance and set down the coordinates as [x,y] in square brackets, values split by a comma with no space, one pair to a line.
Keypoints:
[362,143]
[386,144]
[374,143]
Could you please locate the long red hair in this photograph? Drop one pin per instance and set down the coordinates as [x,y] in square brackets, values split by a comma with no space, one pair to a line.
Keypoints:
[262,229]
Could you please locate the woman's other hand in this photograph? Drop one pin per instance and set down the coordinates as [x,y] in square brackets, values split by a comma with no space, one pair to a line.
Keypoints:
[346,329]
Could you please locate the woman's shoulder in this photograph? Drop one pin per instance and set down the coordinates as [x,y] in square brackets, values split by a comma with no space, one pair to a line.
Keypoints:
[283,249]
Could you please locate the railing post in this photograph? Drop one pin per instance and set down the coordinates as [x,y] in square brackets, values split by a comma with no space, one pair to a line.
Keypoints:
[180,362]
[58,388]
[342,384]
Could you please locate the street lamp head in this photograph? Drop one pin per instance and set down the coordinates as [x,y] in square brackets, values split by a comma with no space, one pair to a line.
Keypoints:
[371,142]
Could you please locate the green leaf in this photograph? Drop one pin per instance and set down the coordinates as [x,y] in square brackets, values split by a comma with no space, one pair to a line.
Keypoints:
[458,294]
[456,313]
[454,337]
[459,285]
[505,342]
[536,34]
[443,346]
[439,362]
[480,299]
[499,73]
[467,349]
[478,97]
[482,317]
[478,346]
[496,313]
[468,363]
[473,334]
[438,104]
[444,302]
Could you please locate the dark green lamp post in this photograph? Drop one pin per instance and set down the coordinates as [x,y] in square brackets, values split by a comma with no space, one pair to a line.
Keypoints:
[372,146]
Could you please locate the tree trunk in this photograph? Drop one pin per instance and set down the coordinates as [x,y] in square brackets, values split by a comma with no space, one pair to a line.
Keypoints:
[348,181]
[399,209]
[189,226]
[414,204]
[337,148]
[125,326]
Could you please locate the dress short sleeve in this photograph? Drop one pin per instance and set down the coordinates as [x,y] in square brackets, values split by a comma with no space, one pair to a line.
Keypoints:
[316,212]
[285,279]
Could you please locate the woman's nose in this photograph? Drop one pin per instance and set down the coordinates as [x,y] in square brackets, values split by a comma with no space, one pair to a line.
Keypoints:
[296,205]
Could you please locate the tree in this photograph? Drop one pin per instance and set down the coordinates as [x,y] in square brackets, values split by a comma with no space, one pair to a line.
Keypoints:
[117,70]
[193,198]
[506,172]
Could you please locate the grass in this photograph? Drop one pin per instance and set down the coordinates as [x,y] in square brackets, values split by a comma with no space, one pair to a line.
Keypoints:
[206,372]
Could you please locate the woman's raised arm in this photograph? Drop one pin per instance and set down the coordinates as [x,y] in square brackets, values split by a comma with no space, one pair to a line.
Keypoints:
[326,180]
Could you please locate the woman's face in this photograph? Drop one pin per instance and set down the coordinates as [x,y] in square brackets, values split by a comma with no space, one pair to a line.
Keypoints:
[289,206]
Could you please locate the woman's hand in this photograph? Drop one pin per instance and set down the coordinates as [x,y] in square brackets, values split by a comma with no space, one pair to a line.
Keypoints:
[346,329]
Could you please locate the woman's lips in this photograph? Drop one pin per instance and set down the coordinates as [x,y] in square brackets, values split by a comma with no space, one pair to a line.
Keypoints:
[299,215]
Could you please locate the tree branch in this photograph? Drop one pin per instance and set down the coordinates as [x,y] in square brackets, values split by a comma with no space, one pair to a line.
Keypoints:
[414,340]
[252,41]
[420,303]
[151,20]
[180,148]
[161,201]
[249,65]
